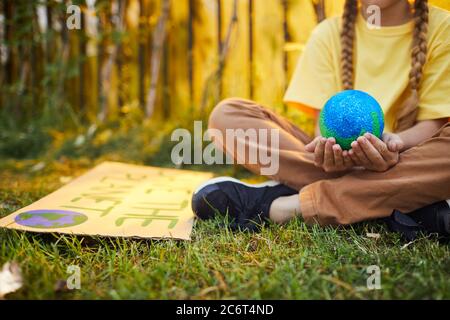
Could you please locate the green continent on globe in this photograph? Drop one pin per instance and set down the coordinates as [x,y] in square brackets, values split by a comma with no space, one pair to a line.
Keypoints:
[345,143]
[376,125]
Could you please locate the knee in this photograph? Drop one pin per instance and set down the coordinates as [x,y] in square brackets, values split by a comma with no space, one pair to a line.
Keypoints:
[221,115]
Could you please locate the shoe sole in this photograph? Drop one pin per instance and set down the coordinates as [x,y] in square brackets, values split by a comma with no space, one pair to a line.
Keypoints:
[229,179]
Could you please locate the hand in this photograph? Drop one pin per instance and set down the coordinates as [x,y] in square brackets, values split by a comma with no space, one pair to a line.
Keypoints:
[393,141]
[375,154]
[329,156]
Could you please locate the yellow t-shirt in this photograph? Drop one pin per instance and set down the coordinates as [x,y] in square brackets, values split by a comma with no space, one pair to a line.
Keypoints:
[382,65]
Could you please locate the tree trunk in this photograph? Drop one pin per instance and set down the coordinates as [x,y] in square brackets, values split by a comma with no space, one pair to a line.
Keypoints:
[191,39]
[143,27]
[108,65]
[215,79]
[159,35]
[9,29]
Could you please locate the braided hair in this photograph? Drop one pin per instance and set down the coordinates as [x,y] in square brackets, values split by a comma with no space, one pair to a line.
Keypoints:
[418,52]
[419,48]
[347,42]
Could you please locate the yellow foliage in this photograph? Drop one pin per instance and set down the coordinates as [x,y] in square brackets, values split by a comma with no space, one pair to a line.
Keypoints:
[103,137]
[444,4]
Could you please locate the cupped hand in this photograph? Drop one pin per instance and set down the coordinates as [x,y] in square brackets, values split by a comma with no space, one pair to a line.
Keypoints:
[329,156]
[374,154]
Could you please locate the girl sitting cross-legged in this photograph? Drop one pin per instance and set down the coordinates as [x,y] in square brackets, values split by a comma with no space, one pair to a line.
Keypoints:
[405,65]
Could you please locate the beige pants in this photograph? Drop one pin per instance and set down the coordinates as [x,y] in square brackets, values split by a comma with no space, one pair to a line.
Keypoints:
[421,177]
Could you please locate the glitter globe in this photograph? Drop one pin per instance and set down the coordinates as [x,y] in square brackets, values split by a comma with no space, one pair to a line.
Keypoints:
[349,115]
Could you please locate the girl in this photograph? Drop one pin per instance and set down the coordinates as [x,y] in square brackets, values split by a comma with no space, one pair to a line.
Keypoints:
[405,65]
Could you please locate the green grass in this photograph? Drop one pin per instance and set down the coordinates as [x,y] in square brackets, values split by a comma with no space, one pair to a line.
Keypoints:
[288,262]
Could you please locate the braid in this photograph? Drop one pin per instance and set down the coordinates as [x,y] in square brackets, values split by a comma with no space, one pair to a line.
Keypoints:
[407,115]
[347,40]
[419,47]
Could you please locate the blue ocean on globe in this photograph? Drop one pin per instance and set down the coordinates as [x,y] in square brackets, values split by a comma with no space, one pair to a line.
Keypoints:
[349,115]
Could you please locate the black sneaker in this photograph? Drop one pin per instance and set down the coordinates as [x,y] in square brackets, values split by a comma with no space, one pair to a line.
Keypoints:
[432,219]
[246,205]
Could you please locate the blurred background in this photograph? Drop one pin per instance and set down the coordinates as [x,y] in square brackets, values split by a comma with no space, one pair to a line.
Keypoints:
[136,69]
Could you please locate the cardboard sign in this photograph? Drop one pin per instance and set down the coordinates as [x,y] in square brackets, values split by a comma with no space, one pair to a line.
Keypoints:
[117,200]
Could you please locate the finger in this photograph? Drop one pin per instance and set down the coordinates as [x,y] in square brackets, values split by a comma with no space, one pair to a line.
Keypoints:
[328,160]
[319,152]
[348,162]
[354,158]
[360,155]
[311,147]
[338,157]
[400,144]
[371,152]
[387,138]
[392,146]
[380,146]
[395,144]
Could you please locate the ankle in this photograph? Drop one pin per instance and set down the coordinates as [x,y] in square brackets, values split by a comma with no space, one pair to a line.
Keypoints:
[285,209]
